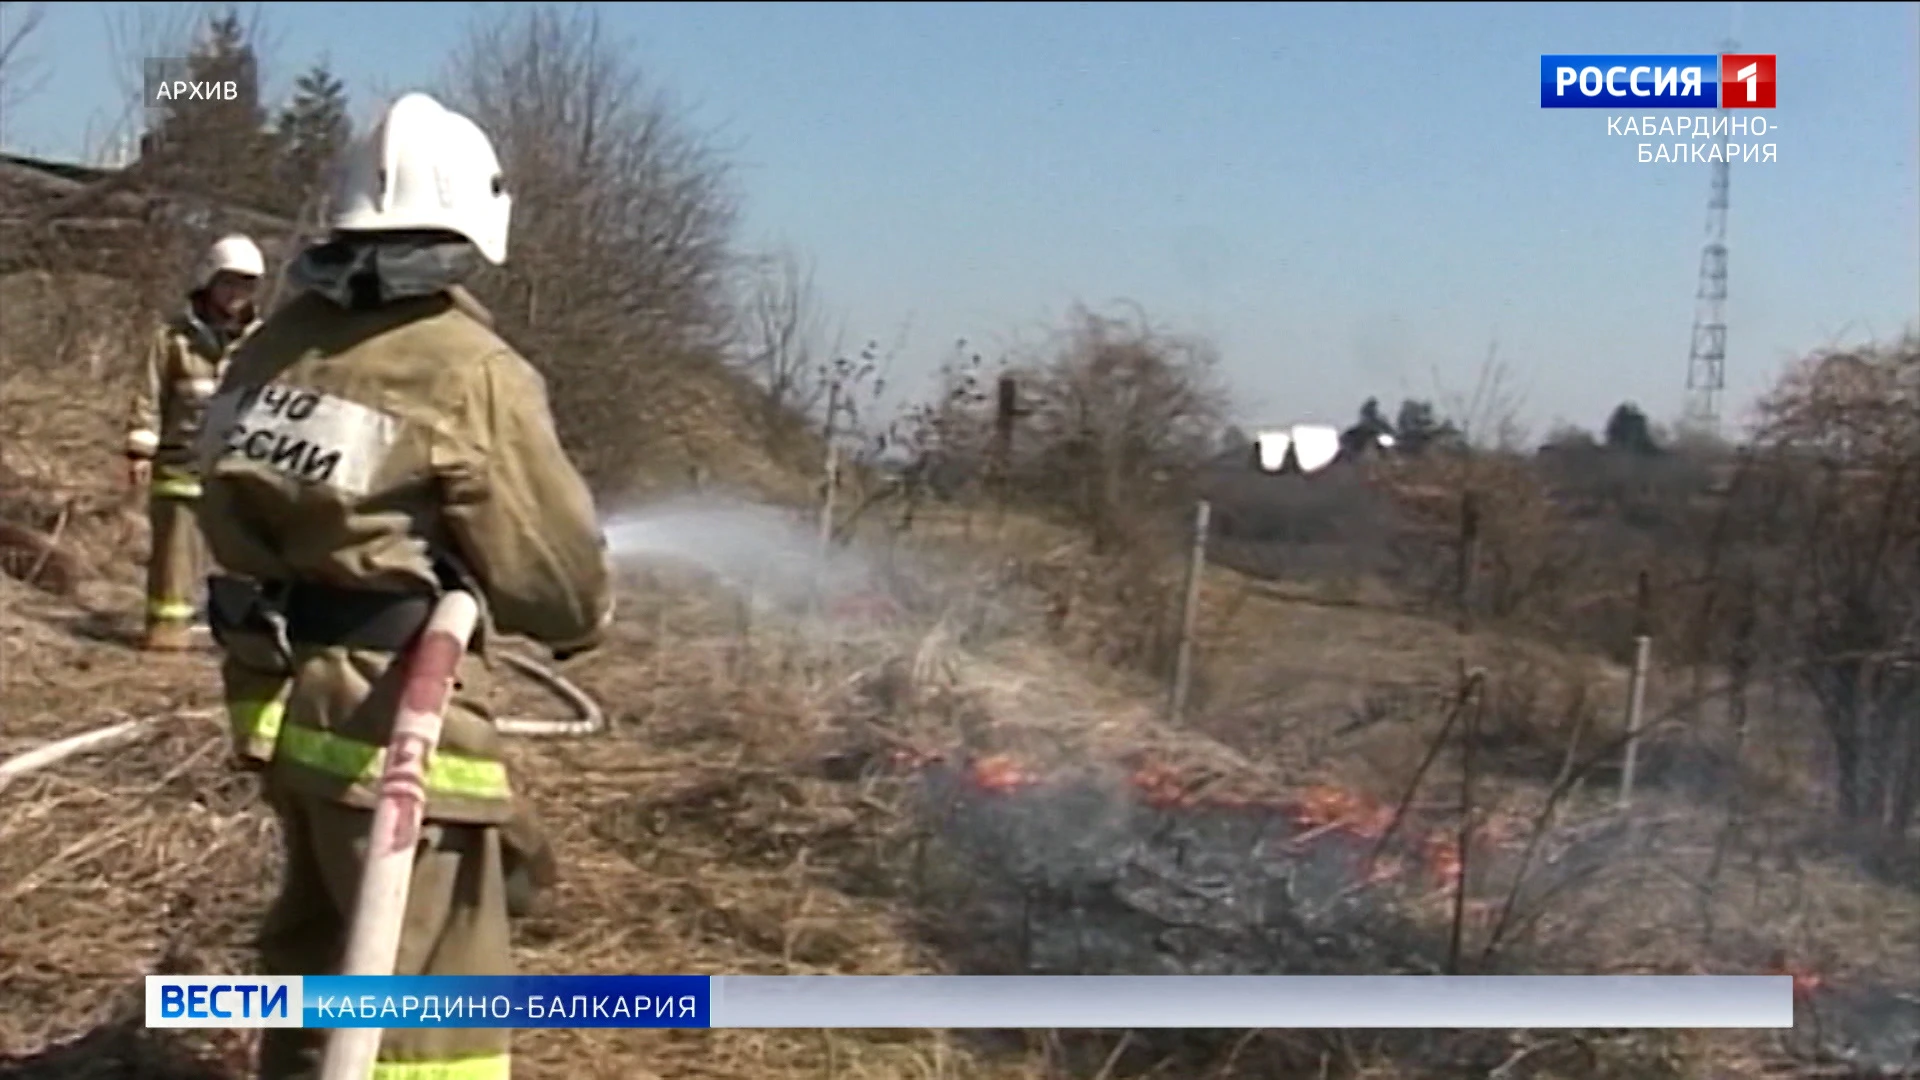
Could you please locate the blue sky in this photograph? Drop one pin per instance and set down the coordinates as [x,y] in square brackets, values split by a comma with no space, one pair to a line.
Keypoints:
[1350,199]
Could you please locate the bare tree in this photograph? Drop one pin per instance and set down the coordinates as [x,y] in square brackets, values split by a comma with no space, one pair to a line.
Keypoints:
[1488,417]
[784,342]
[136,36]
[20,77]
[623,222]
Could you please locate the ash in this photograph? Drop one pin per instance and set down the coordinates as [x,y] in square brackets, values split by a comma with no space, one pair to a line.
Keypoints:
[1086,879]
[1083,879]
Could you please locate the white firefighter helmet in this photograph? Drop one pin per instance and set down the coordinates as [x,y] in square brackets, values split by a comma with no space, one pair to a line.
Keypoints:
[234,254]
[425,167]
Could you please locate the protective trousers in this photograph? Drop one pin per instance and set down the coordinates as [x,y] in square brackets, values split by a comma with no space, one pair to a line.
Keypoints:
[455,924]
[175,562]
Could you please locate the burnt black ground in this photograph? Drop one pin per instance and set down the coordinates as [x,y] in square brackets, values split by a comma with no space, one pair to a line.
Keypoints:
[1085,878]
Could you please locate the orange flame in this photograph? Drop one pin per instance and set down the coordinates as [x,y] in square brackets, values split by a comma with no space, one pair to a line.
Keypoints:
[1000,774]
[1805,980]
[1317,811]
[1354,812]
[1159,786]
[1443,859]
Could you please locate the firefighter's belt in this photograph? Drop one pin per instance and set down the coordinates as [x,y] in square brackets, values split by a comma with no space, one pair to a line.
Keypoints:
[324,615]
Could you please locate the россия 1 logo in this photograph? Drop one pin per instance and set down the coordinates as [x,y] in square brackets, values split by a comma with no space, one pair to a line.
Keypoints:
[1704,81]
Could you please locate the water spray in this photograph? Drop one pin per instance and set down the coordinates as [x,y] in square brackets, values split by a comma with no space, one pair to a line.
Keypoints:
[770,556]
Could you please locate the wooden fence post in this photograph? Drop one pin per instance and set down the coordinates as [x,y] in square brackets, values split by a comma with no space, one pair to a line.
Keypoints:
[1469,556]
[1189,614]
[830,478]
[1637,685]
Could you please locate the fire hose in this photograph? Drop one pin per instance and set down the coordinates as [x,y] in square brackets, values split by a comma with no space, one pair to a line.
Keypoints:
[589,719]
[386,874]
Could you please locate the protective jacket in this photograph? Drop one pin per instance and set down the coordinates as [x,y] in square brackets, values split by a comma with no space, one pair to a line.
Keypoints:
[357,461]
[183,365]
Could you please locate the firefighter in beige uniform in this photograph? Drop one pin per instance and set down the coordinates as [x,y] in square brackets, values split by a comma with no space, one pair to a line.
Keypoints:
[373,445]
[183,365]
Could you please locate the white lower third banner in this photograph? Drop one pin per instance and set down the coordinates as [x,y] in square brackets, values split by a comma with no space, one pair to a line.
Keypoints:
[962,1001]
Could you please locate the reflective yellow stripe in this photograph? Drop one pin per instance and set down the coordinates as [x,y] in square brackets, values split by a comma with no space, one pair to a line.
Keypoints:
[176,487]
[170,610]
[492,1067]
[362,763]
[252,720]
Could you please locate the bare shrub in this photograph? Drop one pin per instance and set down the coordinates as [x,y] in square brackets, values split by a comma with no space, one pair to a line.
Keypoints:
[620,261]
[1830,562]
[69,324]
[1484,534]
[1104,427]
[1334,528]
[1120,417]
[942,444]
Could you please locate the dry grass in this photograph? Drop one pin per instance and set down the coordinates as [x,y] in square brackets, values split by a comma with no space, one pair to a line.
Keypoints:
[703,835]
[698,837]
[157,858]
[720,828]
